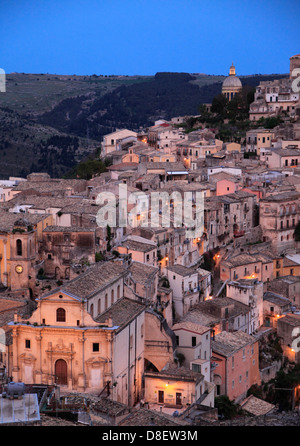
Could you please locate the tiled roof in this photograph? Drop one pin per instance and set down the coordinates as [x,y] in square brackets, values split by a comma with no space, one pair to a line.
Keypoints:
[8,219]
[141,272]
[182,270]
[276,298]
[134,245]
[94,279]
[122,312]
[256,406]
[67,229]
[227,343]
[146,417]
[190,326]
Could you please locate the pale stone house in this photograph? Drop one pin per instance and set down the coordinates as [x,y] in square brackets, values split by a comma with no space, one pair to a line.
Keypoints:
[250,293]
[279,215]
[185,285]
[176,387]
[194,342]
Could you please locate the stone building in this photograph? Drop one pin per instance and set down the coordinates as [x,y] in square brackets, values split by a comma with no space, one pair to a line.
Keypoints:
[250,293]
[62,344]
[237,364]
[19,261]
[277,97]
[63,247]
[288,329]
[279,215]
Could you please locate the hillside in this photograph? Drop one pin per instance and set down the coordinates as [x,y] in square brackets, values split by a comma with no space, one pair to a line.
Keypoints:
[139,105]
[27,146]
[51,122]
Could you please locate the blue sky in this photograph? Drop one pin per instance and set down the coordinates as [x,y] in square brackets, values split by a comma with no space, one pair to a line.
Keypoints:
[147,36]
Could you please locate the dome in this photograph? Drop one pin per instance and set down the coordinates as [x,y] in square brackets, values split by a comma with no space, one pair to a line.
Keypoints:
[232,81]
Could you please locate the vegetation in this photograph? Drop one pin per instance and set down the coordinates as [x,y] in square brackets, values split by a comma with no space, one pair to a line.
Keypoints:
[50,123]
[227,409]
[88,169]
[297,232]
[108,235]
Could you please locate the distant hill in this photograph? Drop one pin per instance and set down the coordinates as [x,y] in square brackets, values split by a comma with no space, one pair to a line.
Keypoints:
[27,146]
[139,105]
[51,122]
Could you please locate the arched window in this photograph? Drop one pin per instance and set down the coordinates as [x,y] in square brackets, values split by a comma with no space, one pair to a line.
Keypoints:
[112,296]
[106,302]
[99,306]
[92,310]
[118,292]
[60,315]
[19,247]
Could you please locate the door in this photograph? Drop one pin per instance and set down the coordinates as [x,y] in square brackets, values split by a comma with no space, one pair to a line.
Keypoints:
[61,374]
[161,396]
[178,399]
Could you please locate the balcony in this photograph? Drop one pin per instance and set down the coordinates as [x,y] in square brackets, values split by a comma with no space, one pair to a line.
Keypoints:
[238,233]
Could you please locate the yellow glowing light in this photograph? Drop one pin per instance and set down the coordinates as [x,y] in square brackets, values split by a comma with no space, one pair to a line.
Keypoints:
[167,258]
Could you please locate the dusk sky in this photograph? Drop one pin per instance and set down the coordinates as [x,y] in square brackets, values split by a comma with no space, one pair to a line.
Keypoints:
[147,36]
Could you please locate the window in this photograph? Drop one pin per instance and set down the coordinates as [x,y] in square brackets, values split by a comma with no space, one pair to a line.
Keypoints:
[19,247]
[60,315]
[106,301]
[112,296]
[232,362]
[95,346]
[193,341]
[27,343]
[118,292]
[177,340]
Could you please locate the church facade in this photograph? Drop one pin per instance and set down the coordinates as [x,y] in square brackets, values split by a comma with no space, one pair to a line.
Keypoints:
[61,344]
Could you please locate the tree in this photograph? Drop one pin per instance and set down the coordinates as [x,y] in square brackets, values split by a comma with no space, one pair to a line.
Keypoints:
[297,232]
[219,104]
[108,233]
[226,408]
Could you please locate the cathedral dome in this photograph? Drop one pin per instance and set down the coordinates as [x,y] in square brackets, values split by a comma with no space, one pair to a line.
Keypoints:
[232,81]
[232,84]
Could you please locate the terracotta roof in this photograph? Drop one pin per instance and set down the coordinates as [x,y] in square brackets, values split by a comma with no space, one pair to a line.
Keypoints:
[67,229]
[256,406]
[172,371]
[142,273]
[8,219]
[190,326]
[146,417]
[227,343]
[182,270]
[122,312]
[94,279]
[134,245]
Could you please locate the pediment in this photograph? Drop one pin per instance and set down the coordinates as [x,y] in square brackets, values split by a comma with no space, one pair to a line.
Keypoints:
[60,296]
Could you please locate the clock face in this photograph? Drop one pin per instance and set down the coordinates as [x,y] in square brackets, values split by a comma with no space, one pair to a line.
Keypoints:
[19,269]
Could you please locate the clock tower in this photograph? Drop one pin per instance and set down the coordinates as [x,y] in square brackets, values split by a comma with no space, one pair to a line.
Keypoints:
[22,257]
